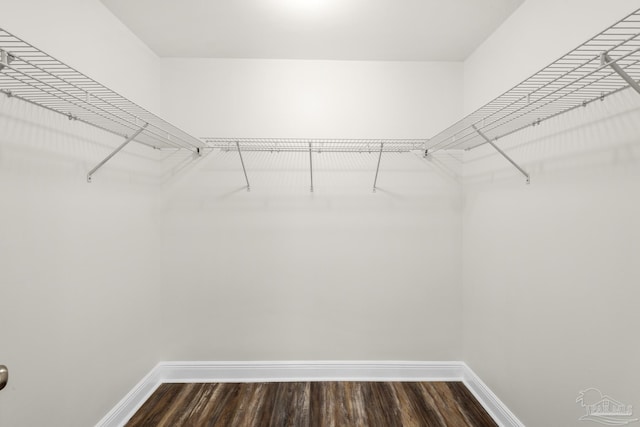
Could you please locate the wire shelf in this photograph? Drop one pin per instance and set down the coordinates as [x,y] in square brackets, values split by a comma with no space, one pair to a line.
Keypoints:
[317,145]
[31,75]
[587,74]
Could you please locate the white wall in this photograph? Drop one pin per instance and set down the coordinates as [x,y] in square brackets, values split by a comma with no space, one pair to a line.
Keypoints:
[283,274]
[78,272]
[311,99]
[549,269]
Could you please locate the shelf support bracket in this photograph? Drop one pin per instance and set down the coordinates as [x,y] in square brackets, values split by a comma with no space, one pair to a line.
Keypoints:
[246,178]
[5,59]
[116,151]
[375,181]
[311,165]
[522,171]
[606,59]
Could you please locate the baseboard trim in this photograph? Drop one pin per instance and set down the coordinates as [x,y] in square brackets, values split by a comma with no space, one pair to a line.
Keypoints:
[308,371]
[124,410]
[171,372]
[494,406]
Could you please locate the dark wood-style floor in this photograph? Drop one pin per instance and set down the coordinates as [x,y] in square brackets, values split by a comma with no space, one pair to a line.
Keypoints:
[310,404]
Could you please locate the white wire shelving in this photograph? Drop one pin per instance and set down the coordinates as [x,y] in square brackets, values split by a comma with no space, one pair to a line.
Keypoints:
[31,75]
[317,146]
[606,64]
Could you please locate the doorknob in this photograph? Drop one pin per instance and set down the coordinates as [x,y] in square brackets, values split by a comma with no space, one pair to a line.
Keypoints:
[4,376]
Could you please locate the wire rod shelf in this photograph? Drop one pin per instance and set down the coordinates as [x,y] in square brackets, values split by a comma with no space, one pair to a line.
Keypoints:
[317,145]
[314,146]
[606,64]
[31,75]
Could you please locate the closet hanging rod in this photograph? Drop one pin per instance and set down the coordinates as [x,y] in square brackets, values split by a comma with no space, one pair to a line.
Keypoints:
[31,75]
[575,80]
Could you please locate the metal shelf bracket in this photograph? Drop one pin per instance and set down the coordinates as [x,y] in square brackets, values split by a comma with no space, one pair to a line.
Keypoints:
[375,181]
[605,59]
[116,151]
[522,171]
[243,168]
[5,59]
[311,164]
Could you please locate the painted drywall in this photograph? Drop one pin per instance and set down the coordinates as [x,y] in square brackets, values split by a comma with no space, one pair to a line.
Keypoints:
[311,99]
[549,269]
[77,267]
[280,273]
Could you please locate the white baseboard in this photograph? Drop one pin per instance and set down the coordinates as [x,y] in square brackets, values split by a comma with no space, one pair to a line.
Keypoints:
[172,372]
[494,406]
[127,407]
[308,371]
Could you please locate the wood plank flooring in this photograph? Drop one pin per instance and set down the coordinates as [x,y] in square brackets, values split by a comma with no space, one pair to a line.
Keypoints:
[313,404]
